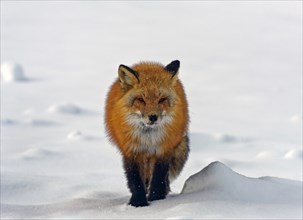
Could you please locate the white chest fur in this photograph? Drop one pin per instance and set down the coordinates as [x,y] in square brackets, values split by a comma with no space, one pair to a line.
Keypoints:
[149,139]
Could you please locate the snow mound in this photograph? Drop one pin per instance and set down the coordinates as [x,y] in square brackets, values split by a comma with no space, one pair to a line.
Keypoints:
[12,72]
[40,122]
[294,154]
[38,153]
[8,121]
[79,136]
[217,181]
[75,135]
[30,111]
[66,108]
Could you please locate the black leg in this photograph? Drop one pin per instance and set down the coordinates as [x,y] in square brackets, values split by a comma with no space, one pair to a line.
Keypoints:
[135,183]
[160,183]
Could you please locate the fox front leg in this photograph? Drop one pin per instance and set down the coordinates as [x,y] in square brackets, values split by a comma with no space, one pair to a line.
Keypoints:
[160,183]
[135,183]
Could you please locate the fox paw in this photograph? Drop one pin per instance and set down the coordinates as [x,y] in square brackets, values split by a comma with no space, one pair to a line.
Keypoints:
[138,202]
[156,196]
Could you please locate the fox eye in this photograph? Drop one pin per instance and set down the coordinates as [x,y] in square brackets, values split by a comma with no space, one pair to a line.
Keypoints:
[162,100]
[141,100]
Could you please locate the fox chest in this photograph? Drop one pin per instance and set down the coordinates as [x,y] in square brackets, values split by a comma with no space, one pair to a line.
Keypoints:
[148,141]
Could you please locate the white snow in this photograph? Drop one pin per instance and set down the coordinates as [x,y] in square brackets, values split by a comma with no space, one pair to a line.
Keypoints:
[241,66]
[296,119]
[37,153]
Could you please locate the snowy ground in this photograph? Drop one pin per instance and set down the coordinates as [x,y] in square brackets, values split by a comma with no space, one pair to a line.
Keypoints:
[241,65]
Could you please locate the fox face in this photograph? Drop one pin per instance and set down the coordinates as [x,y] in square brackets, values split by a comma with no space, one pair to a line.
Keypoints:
[149,94]
[149,113]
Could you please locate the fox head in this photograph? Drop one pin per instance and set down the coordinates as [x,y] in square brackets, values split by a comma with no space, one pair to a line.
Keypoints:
[149,93]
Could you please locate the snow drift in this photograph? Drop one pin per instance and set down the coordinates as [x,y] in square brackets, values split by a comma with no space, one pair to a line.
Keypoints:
[217,181]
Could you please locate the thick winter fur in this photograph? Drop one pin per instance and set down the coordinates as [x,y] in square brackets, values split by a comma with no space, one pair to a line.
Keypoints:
[147,119]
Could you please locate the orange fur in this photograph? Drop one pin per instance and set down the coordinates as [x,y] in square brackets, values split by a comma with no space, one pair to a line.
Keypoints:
[152,77]
[153,83]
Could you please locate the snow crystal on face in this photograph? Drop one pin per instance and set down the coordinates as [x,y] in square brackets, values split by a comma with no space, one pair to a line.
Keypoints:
[12,72]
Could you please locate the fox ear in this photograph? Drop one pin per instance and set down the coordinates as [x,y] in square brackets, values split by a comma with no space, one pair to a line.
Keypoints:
[173,68]
[128,77]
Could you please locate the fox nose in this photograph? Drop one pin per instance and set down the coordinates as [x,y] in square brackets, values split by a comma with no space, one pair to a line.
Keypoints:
[153,118]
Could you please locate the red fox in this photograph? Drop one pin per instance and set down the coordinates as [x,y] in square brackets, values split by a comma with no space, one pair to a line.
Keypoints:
[146,117]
